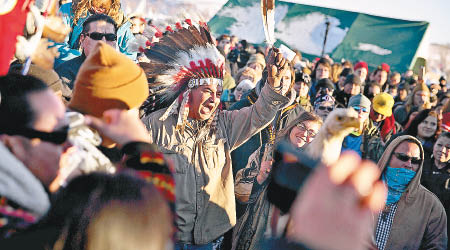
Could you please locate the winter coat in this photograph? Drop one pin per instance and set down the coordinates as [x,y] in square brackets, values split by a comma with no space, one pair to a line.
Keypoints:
[419,221]
[68,70]
[250,228]
[205,201]
[377,142]
[69,49]
[364,140]
[342,99]
[438,181]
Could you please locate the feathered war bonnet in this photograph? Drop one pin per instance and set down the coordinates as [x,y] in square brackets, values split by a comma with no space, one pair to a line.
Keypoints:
[182,60]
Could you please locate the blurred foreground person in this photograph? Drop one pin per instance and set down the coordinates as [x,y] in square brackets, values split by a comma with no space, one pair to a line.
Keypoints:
[32,137]
[100,211]
[108,80]
[413,217]
[333,208]
[113,212]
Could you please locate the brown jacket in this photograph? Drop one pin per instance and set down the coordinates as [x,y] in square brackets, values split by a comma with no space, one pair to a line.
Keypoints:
[205,201]
[420,221]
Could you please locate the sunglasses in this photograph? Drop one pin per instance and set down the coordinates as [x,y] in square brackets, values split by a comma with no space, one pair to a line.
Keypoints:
[56,137]
[325,108]
[405,158]
[99,36]
[303,128]
[357,108]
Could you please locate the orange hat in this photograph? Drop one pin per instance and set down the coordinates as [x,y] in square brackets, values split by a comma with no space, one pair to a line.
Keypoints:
[108,80]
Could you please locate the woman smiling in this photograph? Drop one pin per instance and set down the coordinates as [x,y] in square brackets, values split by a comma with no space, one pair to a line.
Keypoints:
[251,182]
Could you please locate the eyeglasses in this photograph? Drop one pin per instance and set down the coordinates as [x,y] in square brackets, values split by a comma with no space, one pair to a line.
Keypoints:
[357,108]
[325,108]
[405,158]
[309,132]
[99,36]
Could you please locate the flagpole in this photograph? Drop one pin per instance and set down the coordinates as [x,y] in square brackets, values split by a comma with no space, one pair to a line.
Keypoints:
[327,26]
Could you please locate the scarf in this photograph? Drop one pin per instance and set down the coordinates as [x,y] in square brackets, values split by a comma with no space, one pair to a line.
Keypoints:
[397,180]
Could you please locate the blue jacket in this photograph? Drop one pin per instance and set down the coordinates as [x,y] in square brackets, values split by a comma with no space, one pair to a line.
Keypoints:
[70,48]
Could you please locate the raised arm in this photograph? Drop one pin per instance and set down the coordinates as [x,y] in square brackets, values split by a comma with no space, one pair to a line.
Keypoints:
[242,124]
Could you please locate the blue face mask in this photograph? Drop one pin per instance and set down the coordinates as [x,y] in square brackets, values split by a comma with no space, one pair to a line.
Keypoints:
[397,180]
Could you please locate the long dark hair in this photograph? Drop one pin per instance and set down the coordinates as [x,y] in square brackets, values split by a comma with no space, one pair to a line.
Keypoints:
[420,117]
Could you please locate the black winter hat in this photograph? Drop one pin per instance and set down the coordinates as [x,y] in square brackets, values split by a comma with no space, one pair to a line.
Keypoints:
[325,83]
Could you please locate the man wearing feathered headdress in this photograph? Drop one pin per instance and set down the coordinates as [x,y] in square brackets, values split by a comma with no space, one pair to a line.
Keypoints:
[184,119]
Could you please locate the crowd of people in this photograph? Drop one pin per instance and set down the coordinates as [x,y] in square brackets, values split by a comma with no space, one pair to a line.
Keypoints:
[131,133]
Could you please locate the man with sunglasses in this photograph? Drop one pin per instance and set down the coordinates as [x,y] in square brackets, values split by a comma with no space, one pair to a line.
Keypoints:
[413,217]
[323,105]
[98,27]
[358,140]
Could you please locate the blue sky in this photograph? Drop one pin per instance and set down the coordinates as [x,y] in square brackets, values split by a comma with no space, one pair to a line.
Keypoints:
[436,12]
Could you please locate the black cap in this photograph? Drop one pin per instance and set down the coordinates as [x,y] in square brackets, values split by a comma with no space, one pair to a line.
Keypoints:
[325,83]
[346,71]
[353,79]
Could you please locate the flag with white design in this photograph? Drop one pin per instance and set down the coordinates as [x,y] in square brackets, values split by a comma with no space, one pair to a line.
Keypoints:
[351,35]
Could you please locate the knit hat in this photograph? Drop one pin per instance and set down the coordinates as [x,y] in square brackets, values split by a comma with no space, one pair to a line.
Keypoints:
[107,80]
[361,65]
[324,98]
[385,67]
[257,58]
[359,100]
[353,79]
[383,103]
[346,71]
[325,83]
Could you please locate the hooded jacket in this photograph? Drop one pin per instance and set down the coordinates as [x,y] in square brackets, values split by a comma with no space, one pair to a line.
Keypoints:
[419,221]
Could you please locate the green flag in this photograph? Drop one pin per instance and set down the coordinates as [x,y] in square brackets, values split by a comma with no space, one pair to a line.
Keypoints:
[351,35]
